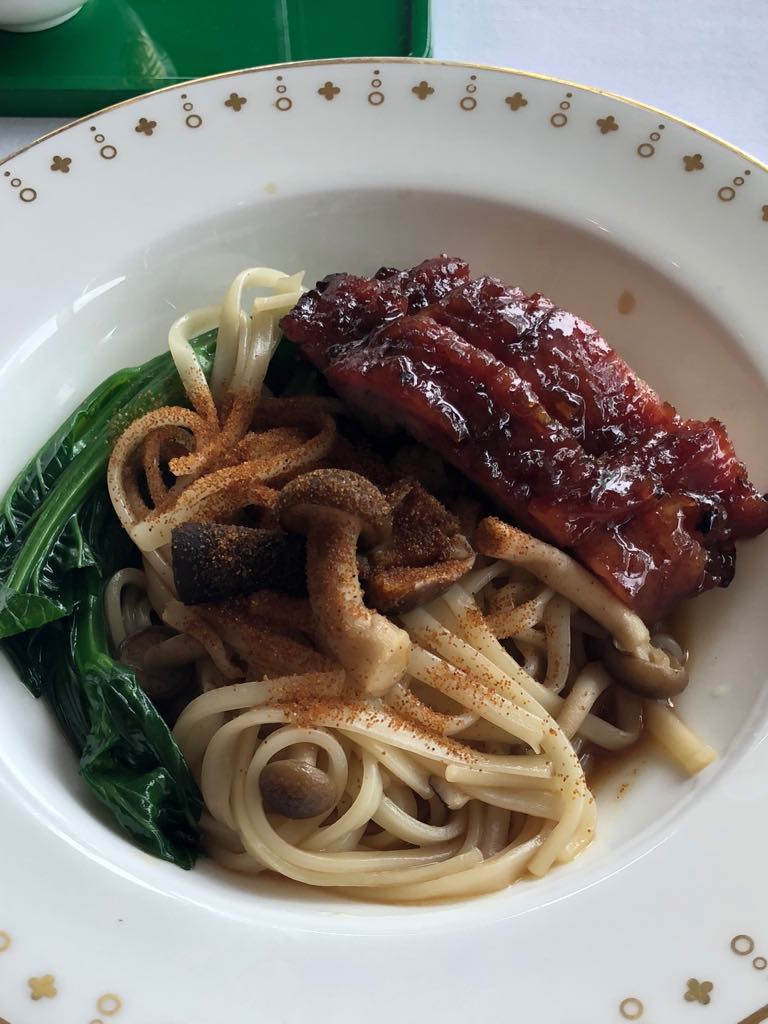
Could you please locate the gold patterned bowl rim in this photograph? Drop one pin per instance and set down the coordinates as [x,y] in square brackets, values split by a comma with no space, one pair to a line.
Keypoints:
[414,61]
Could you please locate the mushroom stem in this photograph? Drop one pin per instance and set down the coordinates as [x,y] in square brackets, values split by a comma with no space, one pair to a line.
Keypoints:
[564,575]
[373,650]
[306,752]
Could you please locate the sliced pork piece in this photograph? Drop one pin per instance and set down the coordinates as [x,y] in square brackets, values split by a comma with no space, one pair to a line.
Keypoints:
[537,409]
[578,377]
[343,307]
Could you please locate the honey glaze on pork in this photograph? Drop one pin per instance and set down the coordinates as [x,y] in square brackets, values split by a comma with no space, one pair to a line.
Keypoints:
[534,407]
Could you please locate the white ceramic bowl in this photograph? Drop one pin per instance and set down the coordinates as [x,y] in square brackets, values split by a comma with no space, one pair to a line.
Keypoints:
[35,15]
[653,231]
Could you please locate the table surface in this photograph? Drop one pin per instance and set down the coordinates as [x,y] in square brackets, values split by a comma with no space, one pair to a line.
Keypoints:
[703,60]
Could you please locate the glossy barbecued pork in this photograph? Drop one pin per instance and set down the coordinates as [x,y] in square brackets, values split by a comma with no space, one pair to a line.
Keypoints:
[530,403]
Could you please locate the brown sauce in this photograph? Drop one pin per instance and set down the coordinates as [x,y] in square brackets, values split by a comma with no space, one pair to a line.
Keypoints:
[611,773]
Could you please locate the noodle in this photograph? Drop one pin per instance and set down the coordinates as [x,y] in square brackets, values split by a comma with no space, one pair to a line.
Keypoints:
[454,772]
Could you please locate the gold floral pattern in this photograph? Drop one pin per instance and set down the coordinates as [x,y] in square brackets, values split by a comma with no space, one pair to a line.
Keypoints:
[607,124]
[329,91]
[235,102]
[145,126]
[516,101]
[698,991]
[5,941]
[422,90]
[61,163]
[42,988]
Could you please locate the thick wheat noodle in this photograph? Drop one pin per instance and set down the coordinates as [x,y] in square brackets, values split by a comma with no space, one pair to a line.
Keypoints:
[364,774]
[495,873]
[410,830]
[244,348]
[589,684]
[420,811]
[451,795]
[185,620]
[358,868]
[553,742]
[496,832]
[159,593]
[397,762]
[537,805]
[538,775]
[478,638]
[113,602]
[564,575]
[506,617]
[409,706]
[246,483]
[151,461]
[668,730]
[128,443]
[557,628]
[368,720]
[263,648]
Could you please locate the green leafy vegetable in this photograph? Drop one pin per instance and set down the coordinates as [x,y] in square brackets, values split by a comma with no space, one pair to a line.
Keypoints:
[59,543]
[39,530]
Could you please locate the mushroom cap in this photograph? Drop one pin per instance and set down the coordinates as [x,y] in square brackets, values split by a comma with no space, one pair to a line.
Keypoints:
[296,789]
[340,491]
[405,587]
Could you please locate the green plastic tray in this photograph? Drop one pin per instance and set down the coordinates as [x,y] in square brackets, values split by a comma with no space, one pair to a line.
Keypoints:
[114,49]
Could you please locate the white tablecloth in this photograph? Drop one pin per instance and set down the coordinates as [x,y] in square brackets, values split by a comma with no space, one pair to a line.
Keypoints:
[703,60]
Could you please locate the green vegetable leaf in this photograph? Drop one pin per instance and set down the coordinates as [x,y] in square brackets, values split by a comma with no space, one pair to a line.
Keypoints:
[43,546]
[60,541]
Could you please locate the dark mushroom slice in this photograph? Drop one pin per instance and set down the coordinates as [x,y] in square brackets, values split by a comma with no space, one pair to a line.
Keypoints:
[162,674]
[658,678]
[423,530]
[296,789]
[212,562]
[405,587]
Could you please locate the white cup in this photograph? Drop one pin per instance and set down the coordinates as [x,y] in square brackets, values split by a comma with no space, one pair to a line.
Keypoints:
[35,15]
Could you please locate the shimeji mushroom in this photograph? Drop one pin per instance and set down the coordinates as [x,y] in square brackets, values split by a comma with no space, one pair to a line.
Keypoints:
[213,561]
[659,677]
[335,509]
[296,789]
[633,659]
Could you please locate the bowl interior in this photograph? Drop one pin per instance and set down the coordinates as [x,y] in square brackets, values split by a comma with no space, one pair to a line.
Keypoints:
[671,336]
